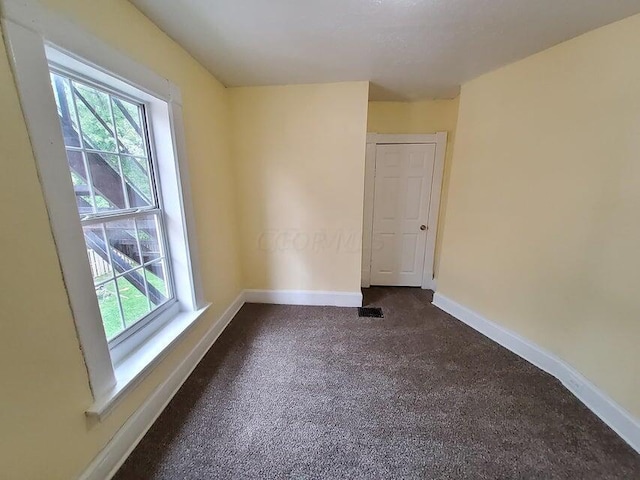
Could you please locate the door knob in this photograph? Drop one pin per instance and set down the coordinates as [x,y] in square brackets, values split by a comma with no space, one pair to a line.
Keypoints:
[423,227]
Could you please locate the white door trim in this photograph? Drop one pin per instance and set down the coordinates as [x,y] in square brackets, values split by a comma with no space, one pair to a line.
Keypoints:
[373,140]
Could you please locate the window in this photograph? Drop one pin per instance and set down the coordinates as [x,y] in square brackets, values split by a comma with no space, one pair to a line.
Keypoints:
[108,140]
[110,163]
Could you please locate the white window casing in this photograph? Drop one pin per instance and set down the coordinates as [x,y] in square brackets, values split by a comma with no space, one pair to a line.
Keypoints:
[36,38]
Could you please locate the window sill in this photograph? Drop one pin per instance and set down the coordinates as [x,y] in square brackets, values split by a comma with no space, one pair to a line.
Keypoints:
[134,368]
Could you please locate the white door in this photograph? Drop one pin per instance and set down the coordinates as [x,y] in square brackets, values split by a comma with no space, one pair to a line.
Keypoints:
[403,178]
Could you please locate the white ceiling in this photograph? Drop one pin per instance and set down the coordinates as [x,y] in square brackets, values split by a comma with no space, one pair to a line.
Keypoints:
[408,49]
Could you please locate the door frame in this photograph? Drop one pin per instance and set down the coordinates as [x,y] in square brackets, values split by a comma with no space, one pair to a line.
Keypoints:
[438,139]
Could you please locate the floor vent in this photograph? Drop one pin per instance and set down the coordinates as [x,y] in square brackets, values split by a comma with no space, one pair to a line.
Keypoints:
[373,312]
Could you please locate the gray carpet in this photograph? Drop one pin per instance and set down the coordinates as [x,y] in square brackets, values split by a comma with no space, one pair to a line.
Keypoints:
[316,392]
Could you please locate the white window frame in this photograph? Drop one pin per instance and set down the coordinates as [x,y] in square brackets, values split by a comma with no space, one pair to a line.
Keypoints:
[120,346]
[34,39]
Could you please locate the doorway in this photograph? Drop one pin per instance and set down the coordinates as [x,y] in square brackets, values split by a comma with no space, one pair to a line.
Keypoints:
[403,182]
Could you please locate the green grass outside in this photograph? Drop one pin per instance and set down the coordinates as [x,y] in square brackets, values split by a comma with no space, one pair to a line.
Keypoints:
[134,303]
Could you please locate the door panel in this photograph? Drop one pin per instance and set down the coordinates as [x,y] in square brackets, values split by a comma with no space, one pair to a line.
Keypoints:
[402,193]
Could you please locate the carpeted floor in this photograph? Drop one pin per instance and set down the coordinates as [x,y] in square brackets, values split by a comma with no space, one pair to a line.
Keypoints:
[316,392]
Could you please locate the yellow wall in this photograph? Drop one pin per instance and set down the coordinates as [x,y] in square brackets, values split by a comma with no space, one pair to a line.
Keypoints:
[427,116]
[45,391]
[299,152]
[540,232]
[542,229]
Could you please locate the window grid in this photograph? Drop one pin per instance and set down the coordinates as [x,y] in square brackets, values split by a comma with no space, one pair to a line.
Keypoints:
[104,152]
[89,179]
[115,283]
[102,217]
[115,135]
[144,276]
[114,275]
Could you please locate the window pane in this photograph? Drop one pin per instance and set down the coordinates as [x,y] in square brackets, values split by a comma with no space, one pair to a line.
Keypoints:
[137,289]
[98,254]
[157,281]
[107,183]
[112,160]
[95,117]
[129,127]
[137,181]
[66,110]
[135,305]
[148,232]
[110,309]
[84,200]
[123,243]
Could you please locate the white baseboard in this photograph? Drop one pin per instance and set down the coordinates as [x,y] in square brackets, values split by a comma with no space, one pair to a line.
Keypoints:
[107,462]
[304,297]
[431,285]
[113,455]
[620,421]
